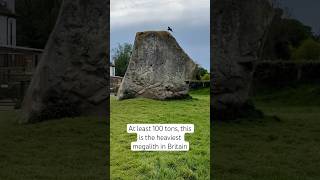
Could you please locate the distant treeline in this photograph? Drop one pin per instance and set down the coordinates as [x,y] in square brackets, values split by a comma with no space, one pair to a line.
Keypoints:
[279,73]
[35,21]
[290,39]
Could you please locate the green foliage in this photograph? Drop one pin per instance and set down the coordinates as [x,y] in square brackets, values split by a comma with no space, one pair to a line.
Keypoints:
[205,77]
[295,31]
[35,21]
[121,57]
[309,50]
[200,72]
[284,35]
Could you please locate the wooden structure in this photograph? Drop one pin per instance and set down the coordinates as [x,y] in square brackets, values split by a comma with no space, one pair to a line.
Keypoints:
[17,65]
[197,84]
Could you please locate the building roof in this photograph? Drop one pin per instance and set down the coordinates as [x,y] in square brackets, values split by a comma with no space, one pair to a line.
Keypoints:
[6,12]
[4,49]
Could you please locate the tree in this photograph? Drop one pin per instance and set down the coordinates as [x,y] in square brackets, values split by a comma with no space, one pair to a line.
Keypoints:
[316,36]
[309,50]
[121,56]
[284,35]
[205,77]
[200,72]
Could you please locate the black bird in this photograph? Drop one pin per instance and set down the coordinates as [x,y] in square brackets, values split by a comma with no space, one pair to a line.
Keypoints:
[169,29]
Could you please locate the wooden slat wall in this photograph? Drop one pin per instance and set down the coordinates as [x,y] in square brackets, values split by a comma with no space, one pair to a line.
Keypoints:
[16,68]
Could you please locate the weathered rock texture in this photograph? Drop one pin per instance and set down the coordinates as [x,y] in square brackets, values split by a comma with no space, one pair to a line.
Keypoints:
[158,68]
[71,78]
[115,83]
[239,29]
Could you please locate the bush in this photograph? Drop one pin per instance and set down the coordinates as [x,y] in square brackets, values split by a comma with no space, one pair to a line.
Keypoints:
[199,72]
[309,50]
[205,77]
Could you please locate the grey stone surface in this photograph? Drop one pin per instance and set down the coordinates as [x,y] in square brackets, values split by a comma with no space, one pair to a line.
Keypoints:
[158,68]
[72,76]
[239,29]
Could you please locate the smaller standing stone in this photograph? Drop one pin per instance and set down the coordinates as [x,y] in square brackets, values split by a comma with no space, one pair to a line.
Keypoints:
[72,77]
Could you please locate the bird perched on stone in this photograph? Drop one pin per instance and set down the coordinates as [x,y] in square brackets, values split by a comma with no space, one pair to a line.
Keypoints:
[169,29]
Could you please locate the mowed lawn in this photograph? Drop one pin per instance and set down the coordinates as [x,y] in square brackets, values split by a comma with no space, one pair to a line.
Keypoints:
[285,147]
[194,164]
[66,149]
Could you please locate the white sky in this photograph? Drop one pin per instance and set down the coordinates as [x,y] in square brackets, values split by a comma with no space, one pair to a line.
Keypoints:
[125,13]
[190,20]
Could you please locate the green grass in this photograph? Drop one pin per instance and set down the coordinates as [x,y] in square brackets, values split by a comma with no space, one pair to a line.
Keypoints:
[63,149]
[300,95]
[194,164]
[283,148]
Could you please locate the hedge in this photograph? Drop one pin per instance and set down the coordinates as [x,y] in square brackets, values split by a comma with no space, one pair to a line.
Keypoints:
[282,73]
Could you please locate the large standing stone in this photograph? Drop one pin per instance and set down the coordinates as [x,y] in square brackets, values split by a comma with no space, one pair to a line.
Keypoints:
[158,68]
[239,28]
[71,78]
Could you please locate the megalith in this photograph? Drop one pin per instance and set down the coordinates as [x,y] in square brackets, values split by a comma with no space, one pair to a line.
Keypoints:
[238,32]
[158,68]
[72,77]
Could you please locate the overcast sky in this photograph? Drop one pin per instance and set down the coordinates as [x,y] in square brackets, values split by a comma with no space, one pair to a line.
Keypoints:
[307,11]
[189,19]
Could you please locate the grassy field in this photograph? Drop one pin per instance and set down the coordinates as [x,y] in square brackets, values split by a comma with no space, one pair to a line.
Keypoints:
[63,149]
[286,147]
[129,165]
[283,146]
